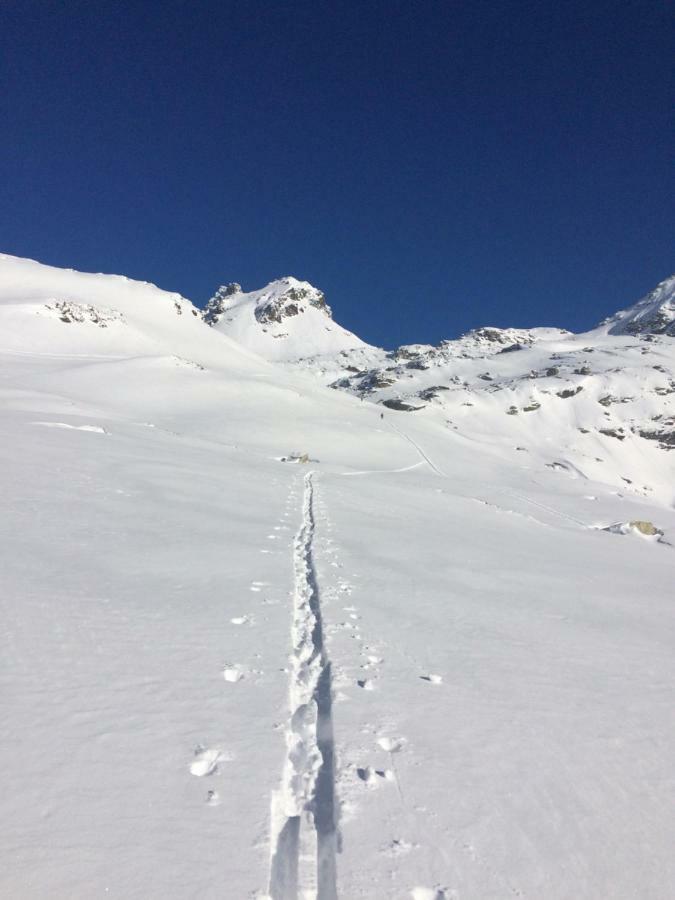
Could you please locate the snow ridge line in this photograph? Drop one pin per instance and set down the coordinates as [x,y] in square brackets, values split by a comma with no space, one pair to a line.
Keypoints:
[303,861]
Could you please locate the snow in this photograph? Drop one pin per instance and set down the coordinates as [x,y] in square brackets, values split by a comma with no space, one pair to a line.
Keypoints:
[602,399]
[286,320]
[425,634]
[654,314]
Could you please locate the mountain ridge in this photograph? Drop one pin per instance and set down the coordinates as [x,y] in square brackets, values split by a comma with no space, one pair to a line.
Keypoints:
[654,313]
[603,397]
[601,400]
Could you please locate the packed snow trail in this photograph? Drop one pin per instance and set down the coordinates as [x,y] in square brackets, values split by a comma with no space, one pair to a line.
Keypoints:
[304,836]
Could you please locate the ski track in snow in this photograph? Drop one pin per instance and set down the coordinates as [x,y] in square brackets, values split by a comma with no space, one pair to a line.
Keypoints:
[417,447]
[385,471]
[97,429]
[304,833]
[561,515]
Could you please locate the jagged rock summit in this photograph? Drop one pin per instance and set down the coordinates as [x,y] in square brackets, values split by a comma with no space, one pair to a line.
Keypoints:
[653,314]
[288,320]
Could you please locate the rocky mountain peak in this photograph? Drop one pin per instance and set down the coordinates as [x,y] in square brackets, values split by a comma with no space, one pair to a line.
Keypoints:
[279,300]
[288,319]
[289,297]
[652,315]
[219,302]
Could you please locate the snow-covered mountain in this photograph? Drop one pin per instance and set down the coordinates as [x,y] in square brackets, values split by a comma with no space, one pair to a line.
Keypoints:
[287,320]
[654,314]
[603,399]
[434,660]
[48,309]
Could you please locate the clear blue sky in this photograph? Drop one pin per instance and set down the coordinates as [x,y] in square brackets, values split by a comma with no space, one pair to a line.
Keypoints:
[432,166]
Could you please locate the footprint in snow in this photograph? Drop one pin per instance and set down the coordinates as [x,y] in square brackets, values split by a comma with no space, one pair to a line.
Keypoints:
[233,674]
[257,586]
[372,660]
[372,777]
[366,684]
[390,745]
[398,847]
[205,762]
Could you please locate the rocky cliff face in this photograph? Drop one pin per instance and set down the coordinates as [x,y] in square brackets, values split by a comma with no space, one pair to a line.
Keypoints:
[292,302]
[217,305]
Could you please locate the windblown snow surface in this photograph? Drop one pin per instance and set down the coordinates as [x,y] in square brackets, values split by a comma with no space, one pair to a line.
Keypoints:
[416,666]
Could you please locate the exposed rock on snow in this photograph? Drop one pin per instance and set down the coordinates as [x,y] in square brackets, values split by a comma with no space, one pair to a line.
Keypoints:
[654,314]
[400,405]
[647,529]
[665,439]
[218,303]
[68,311]
[287,320]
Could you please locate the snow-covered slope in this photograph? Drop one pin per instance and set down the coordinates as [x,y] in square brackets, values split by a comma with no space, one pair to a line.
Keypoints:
[45,309]
[600,403]
[423,665]
[287,320]
[654,314]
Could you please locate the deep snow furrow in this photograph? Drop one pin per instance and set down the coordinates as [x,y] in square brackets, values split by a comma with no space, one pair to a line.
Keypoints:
[303,810]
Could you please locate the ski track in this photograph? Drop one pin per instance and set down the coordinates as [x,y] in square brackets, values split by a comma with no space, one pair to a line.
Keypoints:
[417,447]
[385,471]
[303,826]
[549,509]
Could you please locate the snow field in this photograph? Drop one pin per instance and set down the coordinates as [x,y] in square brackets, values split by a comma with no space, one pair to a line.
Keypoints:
[416,667]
